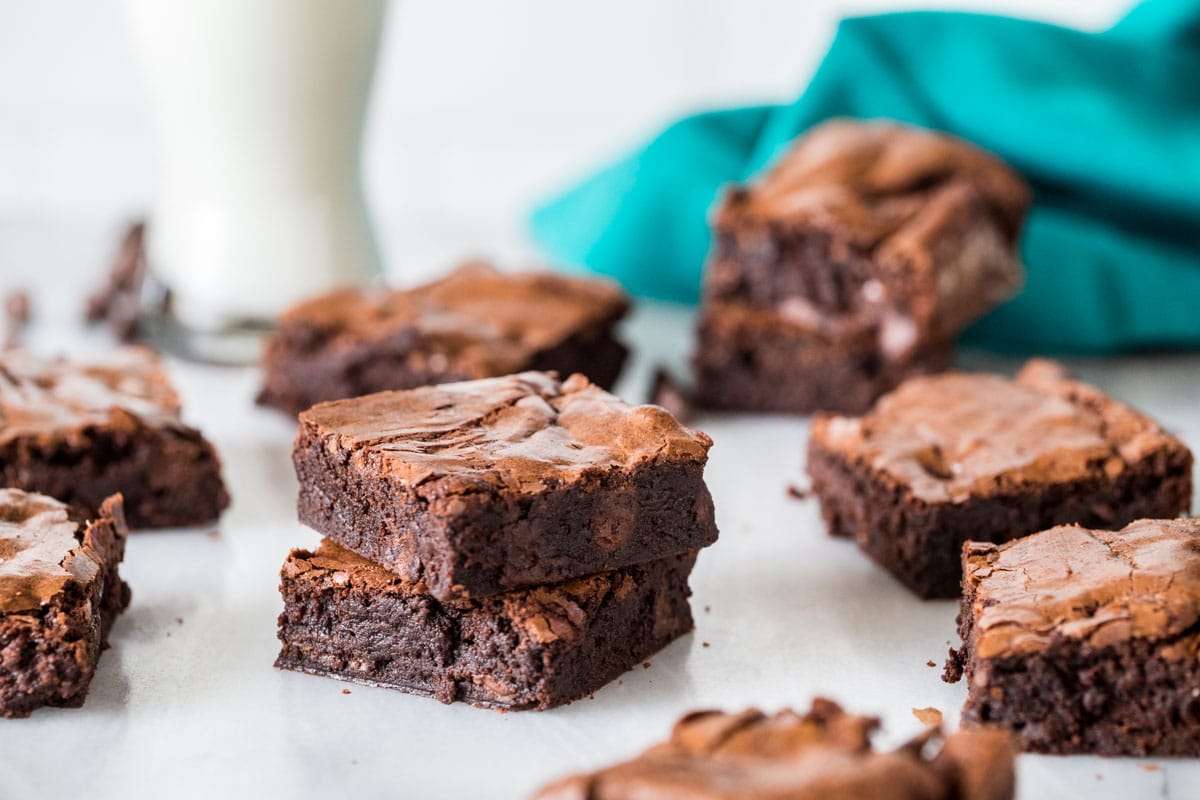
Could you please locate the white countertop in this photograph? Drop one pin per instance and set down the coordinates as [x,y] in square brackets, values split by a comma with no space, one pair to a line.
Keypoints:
[186,702]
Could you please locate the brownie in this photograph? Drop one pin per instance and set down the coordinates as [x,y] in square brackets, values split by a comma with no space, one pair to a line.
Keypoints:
[475,323]
[347,618]
[479,487]
[1086,641]
[60,591]
[750,359]
[825,753]
[80,431]
[873,227]
[952,457]
[852,264]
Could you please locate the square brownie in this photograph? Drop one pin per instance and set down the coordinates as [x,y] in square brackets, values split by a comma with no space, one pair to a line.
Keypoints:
[347,618]
[750,359]
[480,487]
[1086,641]
[952,457]
[60,591]
[80,431]
[876,228]
[825,753]
[852,264]
[475,323]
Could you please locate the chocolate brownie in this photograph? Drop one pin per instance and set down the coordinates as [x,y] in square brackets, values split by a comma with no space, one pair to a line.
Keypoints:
[479,487]
[1086,641]
[873,227]
[475,323]
[952,457]
[80,431]
[825,753]
[347,618]
[59,593]
[750,359]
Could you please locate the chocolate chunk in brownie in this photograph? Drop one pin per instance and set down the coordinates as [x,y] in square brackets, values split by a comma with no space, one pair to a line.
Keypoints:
[348,618]
[59,593]
[80,431]
[475,323]
[750,359]
[953,457]
[825,753]
[484,486]
[904,234]
[1087,641]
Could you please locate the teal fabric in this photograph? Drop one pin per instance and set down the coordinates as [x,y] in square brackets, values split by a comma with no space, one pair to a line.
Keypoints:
[1106,127]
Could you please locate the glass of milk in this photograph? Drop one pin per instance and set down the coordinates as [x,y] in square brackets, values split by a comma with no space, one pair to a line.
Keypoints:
[259,108]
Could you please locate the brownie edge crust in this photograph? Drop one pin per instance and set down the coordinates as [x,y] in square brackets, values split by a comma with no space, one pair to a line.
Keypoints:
[345,617]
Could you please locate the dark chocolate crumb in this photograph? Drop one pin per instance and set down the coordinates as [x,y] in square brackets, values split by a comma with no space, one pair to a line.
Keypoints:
[665,391]
[798,493]
[953,671]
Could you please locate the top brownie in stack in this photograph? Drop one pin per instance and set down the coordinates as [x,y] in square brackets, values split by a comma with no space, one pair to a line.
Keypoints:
[949,458]
[825,753]
[80,431]
[475,323]
[870,245]
[473,488]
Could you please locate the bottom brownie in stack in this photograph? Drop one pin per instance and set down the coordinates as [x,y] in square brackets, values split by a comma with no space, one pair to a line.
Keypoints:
[513,542]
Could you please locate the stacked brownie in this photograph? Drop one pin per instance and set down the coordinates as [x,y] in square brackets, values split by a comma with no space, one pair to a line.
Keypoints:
[513,542]
[852,265]
[476,322]
[955,457]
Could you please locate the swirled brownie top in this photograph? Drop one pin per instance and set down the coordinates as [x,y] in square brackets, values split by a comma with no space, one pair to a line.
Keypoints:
[523,431]
[52,396]
[949,437]
[825,753]
[41,551]
[872,179]
[476,315]
[1099,587]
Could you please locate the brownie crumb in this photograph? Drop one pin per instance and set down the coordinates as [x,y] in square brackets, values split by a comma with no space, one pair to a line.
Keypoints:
[953,670]
[798,492]
[118,300]
[707,609]
[665,391]
[1149,767]
[179,620]
[705,644]
[928,716]
[645,665]
[345,691]
[16,316]
[931,663]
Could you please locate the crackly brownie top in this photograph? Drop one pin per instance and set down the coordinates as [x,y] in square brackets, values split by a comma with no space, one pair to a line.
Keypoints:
[953,436]
[872,179]
[825,753]
[55,396]
[41,551]
[523,432]
[543,614]
[1099,587]
[488,322]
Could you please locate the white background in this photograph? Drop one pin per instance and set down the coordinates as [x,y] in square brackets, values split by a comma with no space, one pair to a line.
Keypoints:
[481,106]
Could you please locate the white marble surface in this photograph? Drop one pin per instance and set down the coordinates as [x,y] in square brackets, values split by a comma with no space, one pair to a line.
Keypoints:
[187,704]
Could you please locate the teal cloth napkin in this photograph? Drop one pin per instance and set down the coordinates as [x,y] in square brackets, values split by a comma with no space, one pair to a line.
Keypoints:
[1105,126]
